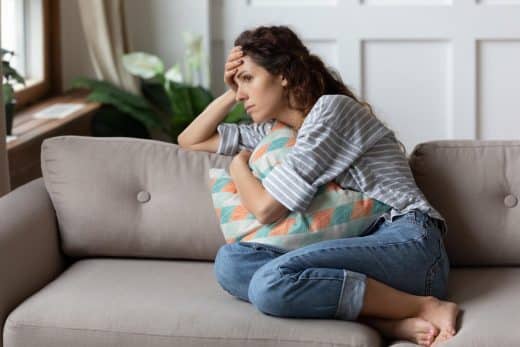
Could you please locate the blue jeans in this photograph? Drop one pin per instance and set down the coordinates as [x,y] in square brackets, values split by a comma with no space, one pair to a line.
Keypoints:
[327,279]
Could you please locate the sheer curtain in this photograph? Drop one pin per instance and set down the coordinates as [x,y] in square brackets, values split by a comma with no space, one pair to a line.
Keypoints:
[104,28]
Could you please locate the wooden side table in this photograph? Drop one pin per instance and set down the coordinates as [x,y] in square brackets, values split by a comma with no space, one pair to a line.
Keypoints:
[24,152]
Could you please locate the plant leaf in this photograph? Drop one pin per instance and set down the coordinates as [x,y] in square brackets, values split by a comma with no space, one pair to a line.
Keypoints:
[143,64]
[109,88]
[10,73]
[8,93]
[200,99]
[134,105]
[174,74]
[145,116]
[177,126]
[155,94]
[110,121]
[237,114]
[181,103]
[6,51]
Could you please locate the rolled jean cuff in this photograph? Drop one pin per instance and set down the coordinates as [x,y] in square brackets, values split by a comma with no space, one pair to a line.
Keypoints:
[352,295]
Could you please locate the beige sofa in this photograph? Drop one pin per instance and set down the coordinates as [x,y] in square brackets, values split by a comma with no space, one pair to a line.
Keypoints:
[114,247]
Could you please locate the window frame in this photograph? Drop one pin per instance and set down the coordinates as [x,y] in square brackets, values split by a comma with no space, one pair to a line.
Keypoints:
[51,83]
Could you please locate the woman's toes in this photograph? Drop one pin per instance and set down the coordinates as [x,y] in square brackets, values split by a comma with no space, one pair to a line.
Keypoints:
[441,313]
[442,337]
[424,339]
[434,331]
[424,326]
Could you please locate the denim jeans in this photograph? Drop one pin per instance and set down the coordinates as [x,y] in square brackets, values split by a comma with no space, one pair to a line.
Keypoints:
[327,279]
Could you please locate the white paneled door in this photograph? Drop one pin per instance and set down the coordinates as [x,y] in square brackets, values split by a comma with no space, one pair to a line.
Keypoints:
[431,69]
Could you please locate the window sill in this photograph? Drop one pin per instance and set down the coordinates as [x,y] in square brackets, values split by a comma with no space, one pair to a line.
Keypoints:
[26,128]
[24,151]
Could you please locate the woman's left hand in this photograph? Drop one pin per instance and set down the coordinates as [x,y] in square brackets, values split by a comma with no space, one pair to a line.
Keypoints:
[241,158]
[244,155]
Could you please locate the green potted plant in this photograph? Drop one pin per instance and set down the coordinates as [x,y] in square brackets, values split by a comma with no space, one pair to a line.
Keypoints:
[168,102]
[10,78]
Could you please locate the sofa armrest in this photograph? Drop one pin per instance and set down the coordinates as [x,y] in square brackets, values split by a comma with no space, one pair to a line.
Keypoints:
[30,255]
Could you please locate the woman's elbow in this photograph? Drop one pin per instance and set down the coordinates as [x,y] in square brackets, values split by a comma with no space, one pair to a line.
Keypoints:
[181,141]
[273,214]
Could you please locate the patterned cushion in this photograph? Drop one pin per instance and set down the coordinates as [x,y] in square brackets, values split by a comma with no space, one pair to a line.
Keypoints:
[333,213]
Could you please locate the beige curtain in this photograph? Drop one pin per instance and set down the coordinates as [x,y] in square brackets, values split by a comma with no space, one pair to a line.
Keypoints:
[104,27]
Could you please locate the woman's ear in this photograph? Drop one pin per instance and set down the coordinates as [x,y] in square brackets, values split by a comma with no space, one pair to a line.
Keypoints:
[284,82]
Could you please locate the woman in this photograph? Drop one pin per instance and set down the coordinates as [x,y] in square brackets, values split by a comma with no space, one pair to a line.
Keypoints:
[394,277]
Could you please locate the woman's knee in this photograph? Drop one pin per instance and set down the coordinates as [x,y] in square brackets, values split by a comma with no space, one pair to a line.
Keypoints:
[267,292]
[225,263]
[235,264]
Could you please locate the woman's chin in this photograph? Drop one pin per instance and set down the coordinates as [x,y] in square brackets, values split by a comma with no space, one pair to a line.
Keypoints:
[260,119]
[255,118]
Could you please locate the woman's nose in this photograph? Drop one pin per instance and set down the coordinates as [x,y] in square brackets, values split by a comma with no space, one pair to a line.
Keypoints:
[240,95]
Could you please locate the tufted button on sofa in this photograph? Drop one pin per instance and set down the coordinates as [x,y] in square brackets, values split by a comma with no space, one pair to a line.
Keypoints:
[510,201]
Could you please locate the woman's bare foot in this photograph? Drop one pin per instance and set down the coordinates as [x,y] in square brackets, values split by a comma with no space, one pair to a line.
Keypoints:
[442,337]
[442,314]
[415,330]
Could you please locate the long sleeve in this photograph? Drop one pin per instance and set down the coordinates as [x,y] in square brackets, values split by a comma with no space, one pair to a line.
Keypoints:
[234,137]
[336,132]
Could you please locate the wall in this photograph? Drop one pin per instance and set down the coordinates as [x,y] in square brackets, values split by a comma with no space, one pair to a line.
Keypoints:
[154,26]
[431,69]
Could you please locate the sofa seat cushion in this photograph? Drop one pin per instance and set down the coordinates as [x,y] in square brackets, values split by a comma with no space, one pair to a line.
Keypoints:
[129,302]
[488,298]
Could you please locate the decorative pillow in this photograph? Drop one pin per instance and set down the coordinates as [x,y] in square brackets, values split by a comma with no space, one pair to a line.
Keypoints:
[333,213]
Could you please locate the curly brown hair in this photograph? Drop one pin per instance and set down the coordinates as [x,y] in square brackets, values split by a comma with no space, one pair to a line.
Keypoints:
[280,51]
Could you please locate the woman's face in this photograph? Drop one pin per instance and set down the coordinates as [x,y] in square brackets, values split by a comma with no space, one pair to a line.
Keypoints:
[261,92]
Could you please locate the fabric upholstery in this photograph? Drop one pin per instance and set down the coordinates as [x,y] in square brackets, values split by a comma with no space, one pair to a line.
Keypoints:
[30,254]
[488,298]
[160,303]
[475,185]
[142,302]
[132,197]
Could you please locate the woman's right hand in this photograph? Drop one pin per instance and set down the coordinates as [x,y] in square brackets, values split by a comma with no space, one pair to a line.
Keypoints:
[234,60]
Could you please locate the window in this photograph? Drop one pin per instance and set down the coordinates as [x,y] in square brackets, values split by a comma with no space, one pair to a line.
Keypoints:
[27,26]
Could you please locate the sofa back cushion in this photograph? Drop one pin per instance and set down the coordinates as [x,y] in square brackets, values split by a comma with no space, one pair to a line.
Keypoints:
[475,185]
[132,197]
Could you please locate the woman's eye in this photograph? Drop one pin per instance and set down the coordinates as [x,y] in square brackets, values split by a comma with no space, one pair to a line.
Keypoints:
[246,78]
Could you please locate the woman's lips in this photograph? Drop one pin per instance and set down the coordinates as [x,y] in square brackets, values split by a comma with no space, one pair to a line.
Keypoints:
[248,109]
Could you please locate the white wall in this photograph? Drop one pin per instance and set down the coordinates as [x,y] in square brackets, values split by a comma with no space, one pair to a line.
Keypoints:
[431,69]
[154,26]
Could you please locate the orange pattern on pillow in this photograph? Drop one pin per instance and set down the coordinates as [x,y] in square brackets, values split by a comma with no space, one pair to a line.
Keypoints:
[239,213]
[362,208]
[282,228]
[259,152]
[230,188]
[321,219]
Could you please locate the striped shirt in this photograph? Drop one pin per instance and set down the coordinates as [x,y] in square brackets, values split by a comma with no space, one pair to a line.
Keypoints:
[339,140]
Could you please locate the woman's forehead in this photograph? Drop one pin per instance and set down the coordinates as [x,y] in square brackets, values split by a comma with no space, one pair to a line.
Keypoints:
[247,66]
